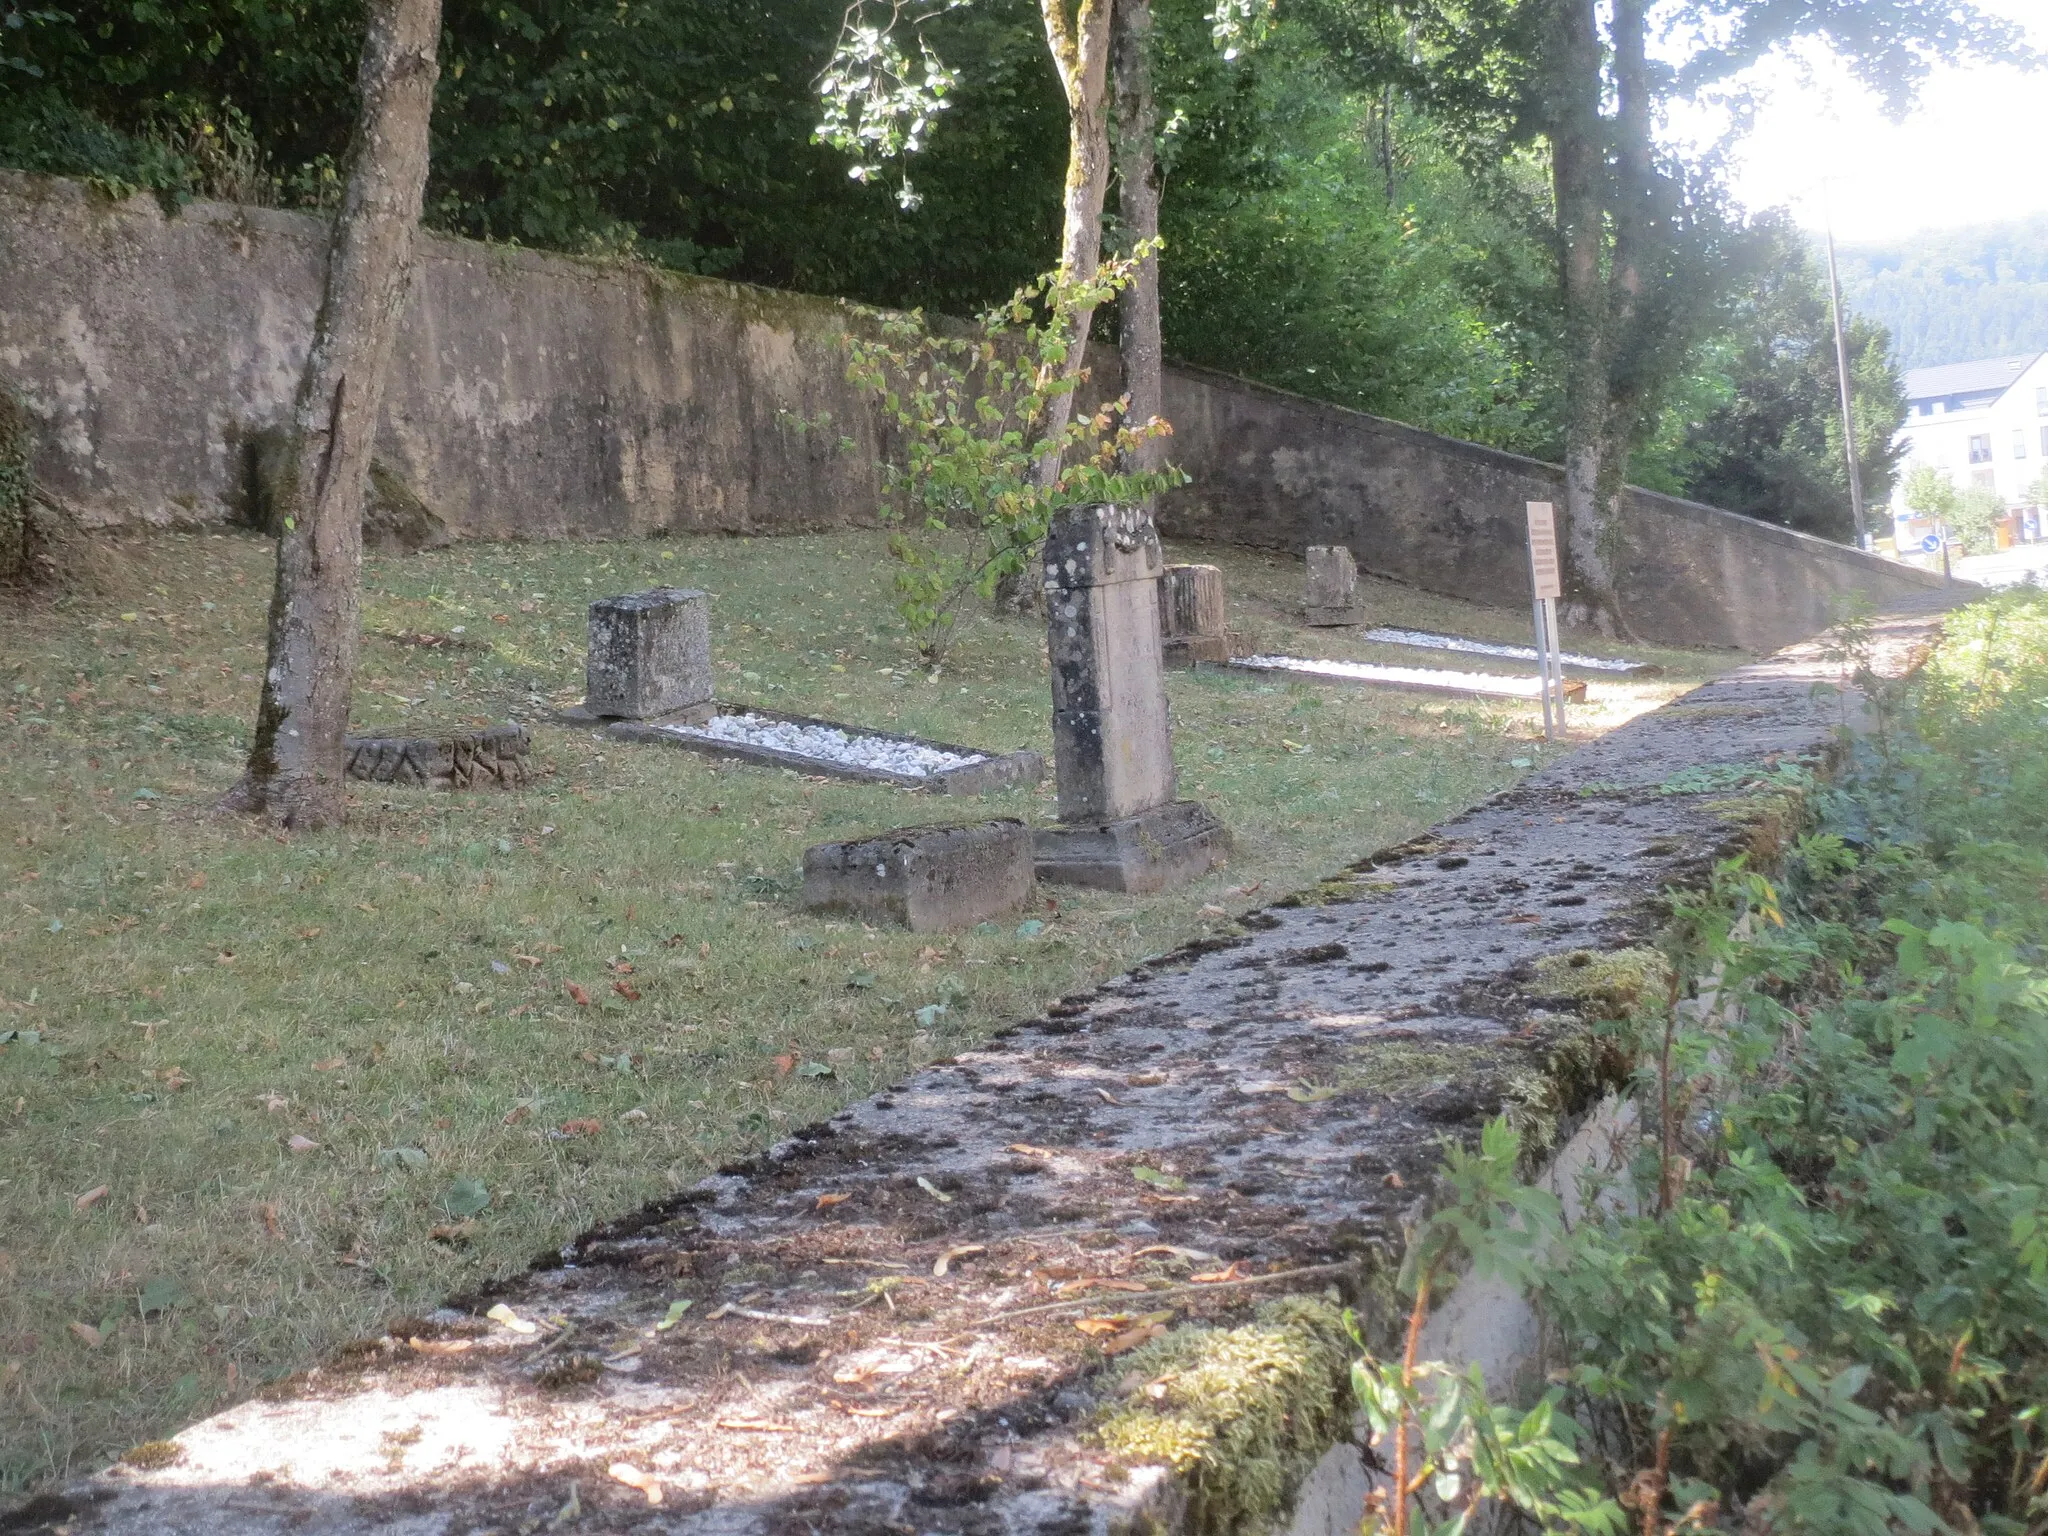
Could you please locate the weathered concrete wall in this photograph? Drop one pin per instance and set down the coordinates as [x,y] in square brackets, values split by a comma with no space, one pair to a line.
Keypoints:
[532,396]
[539,396]
[1279,471]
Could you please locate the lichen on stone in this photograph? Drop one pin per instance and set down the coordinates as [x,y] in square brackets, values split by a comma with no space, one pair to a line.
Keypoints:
[1606,983]
[1239,1414]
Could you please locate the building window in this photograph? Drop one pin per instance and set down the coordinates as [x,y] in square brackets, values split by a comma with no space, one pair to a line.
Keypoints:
[2041,400]
[1980,448]
[1984,477]
[2019,442]
[2044,442]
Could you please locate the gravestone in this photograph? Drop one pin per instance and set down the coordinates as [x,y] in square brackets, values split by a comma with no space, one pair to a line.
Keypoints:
[1332,598]
[650,655]
[1191,616]
[1121,828]
[930,879]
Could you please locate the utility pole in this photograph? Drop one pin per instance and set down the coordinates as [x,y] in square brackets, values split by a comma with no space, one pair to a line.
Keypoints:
[1842,375]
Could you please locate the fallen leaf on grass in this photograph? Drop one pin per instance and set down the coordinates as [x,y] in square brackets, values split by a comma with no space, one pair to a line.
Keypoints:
[1217,1276]
[577,994]
[401,1157]
[332,1063]
[674,1315]
[270,1223]
[933,1190]
[764,1426]
[225,957]
[1268,1086]
[1157,1179]
[533,960]
[826,1202]
[964,1251]
[87,1335]
[90,1198]
[1024,1148]
[451,1232]
[626,990]
[1095,1327]
[1130,1339]
[465,1198]
[633,1477]
[868,1413]
[311,933]
[581,1127]
[785,1064]
[303,1144]
[1107,1096]
[506,1317]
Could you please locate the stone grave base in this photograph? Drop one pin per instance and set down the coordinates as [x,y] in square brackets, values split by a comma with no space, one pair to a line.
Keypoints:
[583,714]
[1184,651]
[1162,847]
[492,759]
[996,770]
[929,879]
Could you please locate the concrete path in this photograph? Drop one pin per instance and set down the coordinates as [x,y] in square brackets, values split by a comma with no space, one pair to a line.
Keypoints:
[882,1333]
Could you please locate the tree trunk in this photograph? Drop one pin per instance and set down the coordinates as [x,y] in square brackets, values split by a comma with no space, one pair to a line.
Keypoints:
[297,761]
[1137,175]
[1080,47]
[1578,170]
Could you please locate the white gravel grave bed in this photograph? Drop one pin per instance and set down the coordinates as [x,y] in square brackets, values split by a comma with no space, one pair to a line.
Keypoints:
[1486,683]
[1425,640]
[881,754]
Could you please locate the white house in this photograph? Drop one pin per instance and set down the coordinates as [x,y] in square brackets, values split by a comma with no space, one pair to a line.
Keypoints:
[1985,422]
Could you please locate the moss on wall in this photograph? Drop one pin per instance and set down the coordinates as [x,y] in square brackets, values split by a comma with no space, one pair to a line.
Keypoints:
[15,484]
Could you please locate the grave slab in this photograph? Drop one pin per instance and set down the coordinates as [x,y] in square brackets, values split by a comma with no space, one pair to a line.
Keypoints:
[489,759]
[929,879]
[1151,851]
[973,772]
[1139,1132]
[1331,600]
[650,654]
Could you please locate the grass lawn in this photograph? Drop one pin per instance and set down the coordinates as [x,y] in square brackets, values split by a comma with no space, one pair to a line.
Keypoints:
[265,1092]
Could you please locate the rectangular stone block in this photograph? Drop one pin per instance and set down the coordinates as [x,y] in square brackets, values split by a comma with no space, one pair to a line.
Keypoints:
[1155,849]
[927,878]
[1191,602]
[1112,754]
[1331,599]
[650,654]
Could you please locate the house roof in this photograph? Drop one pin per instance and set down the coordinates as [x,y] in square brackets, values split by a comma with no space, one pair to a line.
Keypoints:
[1986,374]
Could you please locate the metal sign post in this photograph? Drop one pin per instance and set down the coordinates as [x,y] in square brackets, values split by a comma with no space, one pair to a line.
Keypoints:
[1547,586]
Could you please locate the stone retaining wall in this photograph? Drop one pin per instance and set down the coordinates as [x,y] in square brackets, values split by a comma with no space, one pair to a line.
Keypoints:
[881,1322]
[540,396]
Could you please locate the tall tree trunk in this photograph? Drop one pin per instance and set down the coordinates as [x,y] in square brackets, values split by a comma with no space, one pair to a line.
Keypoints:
[1137,175]
[1080,47]
[1578,170]
[1080,51]
[296,763]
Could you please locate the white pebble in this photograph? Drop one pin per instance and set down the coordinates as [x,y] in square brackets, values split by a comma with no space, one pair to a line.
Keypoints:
[828,744]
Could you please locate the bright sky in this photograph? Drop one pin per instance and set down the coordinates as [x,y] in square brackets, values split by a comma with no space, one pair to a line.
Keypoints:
[1972,150]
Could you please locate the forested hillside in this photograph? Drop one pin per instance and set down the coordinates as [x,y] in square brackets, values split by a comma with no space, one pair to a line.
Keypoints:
[1954,294]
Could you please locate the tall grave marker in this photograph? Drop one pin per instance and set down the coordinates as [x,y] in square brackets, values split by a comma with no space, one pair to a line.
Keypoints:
[1121,828]
[1546,586]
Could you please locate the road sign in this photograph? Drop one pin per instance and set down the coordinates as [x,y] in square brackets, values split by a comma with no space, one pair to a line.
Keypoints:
[1930,544]
[1543,568]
